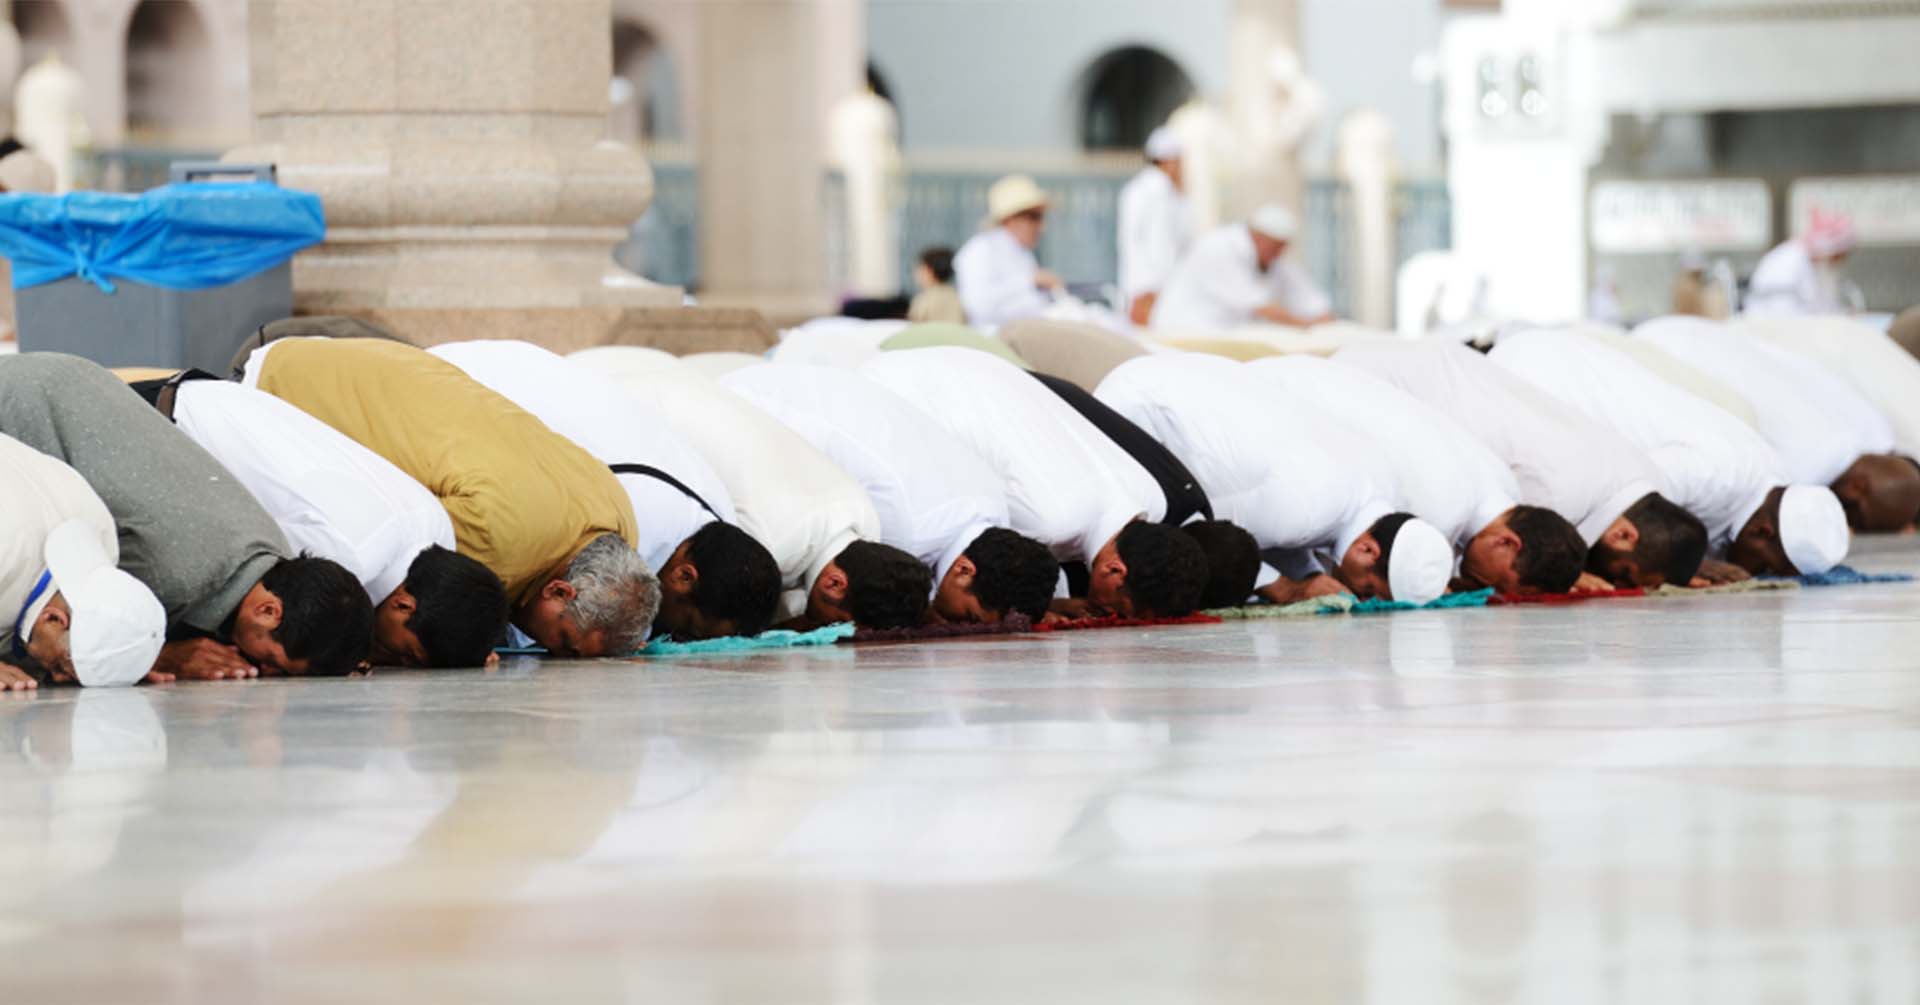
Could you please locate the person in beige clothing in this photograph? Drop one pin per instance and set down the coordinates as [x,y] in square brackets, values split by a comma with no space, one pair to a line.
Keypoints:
[937,299]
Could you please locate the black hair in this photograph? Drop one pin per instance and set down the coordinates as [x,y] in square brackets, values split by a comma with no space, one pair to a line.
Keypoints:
[1233,561]
[1385,531]
[886,587]
[939,261]
[326,618]
[1552,552]
[460,608]
[739,580]
[1165,569]
[1672,542]
[1012,573]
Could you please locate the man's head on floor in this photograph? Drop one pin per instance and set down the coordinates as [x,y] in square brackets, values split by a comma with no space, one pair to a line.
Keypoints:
[1798,530]
[88,622]
[603,606]
[450,612]
[306,617]
[1399,557]
[1880,493]
[1233,561]
[872,585]
[1147,571]
[1654,542]
[1000,573]
[1526,550]
[718,582]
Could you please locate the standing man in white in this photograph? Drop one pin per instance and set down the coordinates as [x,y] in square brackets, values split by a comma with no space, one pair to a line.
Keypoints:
[998,277]
[1156,224]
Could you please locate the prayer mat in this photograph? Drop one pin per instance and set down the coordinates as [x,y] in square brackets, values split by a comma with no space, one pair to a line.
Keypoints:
[1013,625]
[1515,600]
[1475,598]
[1743,586]
[778,638]
[1346,603]
[1846,575]
[1086,623]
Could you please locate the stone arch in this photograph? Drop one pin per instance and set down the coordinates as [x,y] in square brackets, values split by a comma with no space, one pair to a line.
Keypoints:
[173,86]
[1126,93]
[646,99]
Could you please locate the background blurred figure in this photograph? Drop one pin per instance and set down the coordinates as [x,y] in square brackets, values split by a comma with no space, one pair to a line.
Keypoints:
[998,276]
[1698,292]
[1236,276]
[1803,276]
[937,300]
[1156,224]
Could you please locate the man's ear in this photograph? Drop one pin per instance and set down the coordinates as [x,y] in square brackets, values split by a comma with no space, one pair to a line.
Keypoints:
[268,610]
[1115,566]
[402,601]
[1367,549]
[56,614]
[558,589]
[1509,541]
[833,583]
[1624,535]
[963,571]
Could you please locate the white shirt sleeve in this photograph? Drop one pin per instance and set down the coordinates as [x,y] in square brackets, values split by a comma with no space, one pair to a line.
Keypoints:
[1295,292]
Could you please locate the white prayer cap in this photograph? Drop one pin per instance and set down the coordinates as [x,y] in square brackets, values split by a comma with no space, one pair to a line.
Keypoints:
[1693,260]
[1421,564]
[1013,195]
[118,625]
[1163,144]
[1813,528]
[1275,221]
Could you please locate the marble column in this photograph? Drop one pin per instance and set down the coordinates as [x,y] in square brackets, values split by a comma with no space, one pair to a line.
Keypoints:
[769,73]
[459,147]
[1271,104]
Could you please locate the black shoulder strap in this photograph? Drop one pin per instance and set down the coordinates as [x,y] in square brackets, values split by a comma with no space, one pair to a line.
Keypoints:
[655,473]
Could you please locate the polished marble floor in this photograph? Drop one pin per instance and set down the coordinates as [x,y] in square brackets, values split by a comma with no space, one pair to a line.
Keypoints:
[1698,800]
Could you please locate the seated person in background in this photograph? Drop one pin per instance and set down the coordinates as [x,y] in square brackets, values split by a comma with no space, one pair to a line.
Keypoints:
[1444,475]
[1561,460]
[66,613]
[996,273]
[1067,485]
[543,514]
[1235,275]
[237,602]
[937,299]
[789,496]
[1710,464]
[1824,430]
[935,498]
[336,499]
[1302,486]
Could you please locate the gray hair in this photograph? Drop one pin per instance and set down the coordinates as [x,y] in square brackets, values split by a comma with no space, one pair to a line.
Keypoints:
[614,591]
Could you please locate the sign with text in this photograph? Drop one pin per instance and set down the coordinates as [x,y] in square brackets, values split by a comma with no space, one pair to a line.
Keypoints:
[1645,217]
[1885,209]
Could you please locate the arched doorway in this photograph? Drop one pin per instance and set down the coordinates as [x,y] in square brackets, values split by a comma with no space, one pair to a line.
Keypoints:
[173,94]
[646,90]
[43,28]
[1126,94]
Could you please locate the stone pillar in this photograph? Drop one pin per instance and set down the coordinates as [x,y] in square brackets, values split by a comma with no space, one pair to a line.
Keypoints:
[459,150]
[1271,104]
[769,72]
[1365,156]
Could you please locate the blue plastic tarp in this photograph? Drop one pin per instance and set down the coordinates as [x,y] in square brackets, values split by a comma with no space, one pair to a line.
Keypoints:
[179,237]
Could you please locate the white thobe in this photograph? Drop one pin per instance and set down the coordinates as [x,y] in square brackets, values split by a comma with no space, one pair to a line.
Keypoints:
[997,277]
[1295,479]
[1868,358]
[1787,282]
[933,494]
[1443,474]
[1156,227]
[1819,424]
[1711,464]
[1068,485]
[1560,459]
[616,427]
[37,494]
[1220,285]
[331,496]
[789,496]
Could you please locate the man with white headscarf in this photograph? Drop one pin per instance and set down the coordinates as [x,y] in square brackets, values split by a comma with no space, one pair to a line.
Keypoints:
[998,277]
[1156,224]
[1802,276]
[1235,276]
[1710,463]
[1303,485]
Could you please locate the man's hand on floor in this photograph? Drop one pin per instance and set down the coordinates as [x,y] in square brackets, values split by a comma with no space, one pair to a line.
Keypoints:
[200,659]
[1590,583]
[1717,573]
[12,678]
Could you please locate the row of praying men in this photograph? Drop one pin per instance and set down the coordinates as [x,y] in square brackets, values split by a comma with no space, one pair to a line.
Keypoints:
[349,500]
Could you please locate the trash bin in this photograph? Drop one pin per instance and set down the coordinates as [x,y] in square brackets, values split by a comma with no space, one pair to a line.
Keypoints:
[175,277]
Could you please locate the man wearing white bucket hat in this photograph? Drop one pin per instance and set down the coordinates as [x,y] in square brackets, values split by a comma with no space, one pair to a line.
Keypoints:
[1235,276]
[68,612]
[1156,224]
[998,277]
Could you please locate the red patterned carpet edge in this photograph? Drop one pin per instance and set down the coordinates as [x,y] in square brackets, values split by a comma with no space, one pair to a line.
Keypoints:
[1085,623]
[1514,600]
